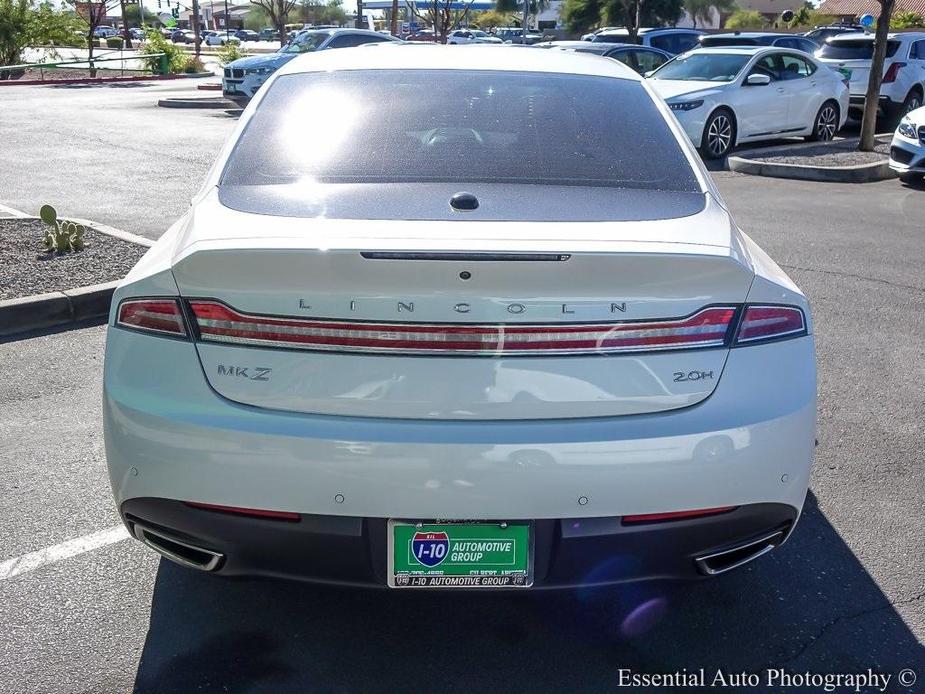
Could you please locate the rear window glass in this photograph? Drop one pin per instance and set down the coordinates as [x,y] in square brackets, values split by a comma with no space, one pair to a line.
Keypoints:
[708,41]
[454,126]
[855,50]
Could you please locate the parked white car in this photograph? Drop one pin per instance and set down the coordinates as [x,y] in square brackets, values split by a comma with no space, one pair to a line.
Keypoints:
[221,38]
[907,151]
[903,84]
[670,40]
[464,36]
[513,360]
[727,96]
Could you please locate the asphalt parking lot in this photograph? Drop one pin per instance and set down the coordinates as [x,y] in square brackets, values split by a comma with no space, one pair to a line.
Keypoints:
[845,595]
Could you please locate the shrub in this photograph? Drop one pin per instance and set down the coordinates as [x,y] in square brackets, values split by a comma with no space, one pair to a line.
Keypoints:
[177,60]
[230,52]
[745,19]
[193,65]
[906,20]
[114,41]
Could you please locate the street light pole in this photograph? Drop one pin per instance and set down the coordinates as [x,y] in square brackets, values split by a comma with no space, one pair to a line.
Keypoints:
[526,17]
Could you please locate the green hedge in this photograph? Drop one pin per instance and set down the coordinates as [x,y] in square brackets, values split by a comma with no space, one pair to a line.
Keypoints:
[114,42]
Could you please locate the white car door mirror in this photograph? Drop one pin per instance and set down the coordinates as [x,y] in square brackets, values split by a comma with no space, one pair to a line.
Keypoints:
[757,80]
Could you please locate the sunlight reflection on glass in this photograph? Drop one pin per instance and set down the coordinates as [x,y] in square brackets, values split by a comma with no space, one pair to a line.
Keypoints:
[317,126]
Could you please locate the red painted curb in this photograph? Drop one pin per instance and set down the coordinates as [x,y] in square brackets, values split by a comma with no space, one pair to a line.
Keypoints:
[96,80]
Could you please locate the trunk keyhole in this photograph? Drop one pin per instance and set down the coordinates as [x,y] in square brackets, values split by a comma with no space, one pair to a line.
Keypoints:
[464,201]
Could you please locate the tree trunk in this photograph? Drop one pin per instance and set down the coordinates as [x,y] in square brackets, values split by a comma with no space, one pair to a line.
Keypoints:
[281,29]
[872,98]
[90,40]
[126,36]
[394,27]
[194,18]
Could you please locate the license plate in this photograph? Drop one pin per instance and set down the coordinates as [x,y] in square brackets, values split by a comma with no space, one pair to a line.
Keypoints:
[460,555]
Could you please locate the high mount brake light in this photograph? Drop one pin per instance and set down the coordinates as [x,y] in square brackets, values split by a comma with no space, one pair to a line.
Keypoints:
[152,315]
[708,327]
[770,323]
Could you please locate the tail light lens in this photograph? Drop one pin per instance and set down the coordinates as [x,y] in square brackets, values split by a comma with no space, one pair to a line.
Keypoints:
[892,72]
[253,512]
[770,323]
[675,515]
[152,315]
[708,327]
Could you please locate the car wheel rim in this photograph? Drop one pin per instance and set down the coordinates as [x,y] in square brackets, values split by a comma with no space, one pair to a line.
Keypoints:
[827,123]
[719,135]
[913,103]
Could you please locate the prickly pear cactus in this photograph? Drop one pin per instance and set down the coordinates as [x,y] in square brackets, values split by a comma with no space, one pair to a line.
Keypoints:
[61,235]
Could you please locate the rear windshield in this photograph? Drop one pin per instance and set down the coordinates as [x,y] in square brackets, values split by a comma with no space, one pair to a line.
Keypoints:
[859,49]
[453,126]
[708,41]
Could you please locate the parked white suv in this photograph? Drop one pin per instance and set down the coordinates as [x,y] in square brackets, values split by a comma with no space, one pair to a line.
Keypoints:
[903,85]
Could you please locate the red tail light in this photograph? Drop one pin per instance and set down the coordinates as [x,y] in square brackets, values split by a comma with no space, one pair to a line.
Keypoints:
[255,512]
[892,72]
[675,515]
[153,315]
[708,327]
[770,322]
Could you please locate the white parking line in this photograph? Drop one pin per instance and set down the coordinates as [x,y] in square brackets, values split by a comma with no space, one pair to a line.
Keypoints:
[12,212]
[50,555]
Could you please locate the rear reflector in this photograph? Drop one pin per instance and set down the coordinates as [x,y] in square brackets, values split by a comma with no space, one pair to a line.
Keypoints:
[675,515]
[706,328]
[255,512]
[770,322]
[154,315]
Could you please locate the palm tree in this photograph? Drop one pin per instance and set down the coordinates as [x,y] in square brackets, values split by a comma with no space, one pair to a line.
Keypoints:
[702,10]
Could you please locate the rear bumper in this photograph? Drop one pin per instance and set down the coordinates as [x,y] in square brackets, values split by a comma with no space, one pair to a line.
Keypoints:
[566,552]
[856,103]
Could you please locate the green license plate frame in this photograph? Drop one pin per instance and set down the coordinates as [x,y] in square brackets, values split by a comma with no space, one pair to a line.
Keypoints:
[460,554]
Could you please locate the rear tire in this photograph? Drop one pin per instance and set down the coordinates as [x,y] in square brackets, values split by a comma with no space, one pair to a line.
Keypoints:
[911,178]
[826,123]
[913,101]
[719,134]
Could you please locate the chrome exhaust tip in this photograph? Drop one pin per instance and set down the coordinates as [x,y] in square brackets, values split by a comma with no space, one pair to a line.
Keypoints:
[176,550]
[732,558]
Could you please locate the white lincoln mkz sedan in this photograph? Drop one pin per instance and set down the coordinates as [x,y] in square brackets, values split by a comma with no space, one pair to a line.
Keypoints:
[504,336]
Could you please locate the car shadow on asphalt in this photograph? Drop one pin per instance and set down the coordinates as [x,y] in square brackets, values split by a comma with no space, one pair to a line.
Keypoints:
[808,606]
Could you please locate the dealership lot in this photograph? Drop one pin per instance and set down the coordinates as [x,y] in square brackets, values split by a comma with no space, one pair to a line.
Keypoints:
[844,595]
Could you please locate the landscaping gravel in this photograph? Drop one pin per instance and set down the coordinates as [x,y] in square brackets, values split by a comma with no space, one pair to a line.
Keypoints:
[841,153]
[26,269]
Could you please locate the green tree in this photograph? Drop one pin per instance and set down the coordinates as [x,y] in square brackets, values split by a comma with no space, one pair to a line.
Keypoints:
[278,13]
[492,18]
[315,12]
[131,16]
[702,10]
[256,19]
[906,20]
[581,15]
[23,23]
[746,19]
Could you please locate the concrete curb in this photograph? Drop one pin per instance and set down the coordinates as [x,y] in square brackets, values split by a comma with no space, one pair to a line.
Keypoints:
[856,173]
[210,87]
[60,308]
[103,80]
[195,102]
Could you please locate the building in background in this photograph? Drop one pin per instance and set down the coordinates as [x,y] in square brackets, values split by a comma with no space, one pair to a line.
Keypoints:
[849,10]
